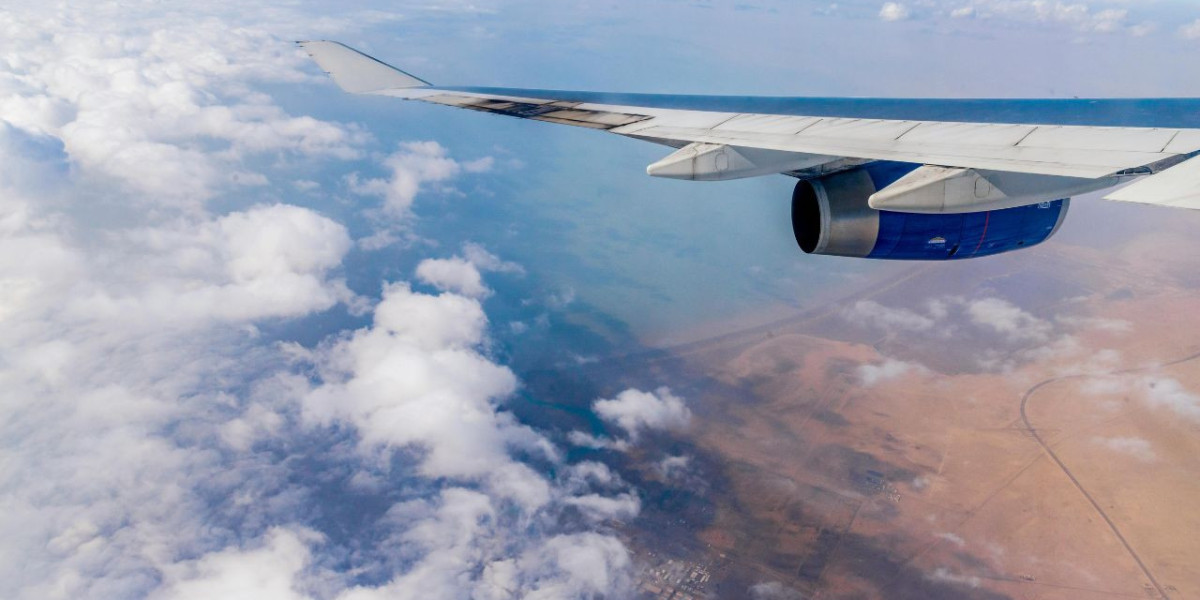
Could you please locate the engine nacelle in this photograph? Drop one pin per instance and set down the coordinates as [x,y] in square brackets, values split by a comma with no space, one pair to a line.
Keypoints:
[830,215]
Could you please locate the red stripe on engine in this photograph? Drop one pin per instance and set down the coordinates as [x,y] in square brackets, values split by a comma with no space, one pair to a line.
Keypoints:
[987,216]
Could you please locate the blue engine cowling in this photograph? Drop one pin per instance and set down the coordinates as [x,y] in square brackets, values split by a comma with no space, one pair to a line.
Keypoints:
[830,216]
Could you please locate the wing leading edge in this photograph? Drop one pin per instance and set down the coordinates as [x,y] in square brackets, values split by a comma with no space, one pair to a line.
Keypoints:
[717,145]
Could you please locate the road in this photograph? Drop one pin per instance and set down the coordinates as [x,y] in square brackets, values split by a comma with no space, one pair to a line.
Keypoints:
[1067,471]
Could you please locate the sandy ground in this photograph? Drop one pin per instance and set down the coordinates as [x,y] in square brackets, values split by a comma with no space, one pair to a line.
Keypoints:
[925,480]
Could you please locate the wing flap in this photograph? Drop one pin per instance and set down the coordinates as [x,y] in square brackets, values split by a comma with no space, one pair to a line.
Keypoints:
[1178,186]
[564,113]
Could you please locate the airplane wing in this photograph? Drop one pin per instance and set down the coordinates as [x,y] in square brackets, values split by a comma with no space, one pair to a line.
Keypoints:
[716,145]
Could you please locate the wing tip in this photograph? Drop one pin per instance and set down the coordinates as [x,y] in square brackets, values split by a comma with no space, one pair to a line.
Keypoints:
[355,71]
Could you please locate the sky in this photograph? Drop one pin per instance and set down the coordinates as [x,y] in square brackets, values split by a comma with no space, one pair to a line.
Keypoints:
[259,335]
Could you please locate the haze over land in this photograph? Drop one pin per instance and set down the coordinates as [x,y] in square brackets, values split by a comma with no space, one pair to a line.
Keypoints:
[268,339]
[885,446]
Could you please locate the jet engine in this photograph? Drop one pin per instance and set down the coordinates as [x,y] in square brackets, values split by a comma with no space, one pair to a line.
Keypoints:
[831,215]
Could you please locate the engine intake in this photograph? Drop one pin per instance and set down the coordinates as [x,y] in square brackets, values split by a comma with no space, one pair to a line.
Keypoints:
[830,216]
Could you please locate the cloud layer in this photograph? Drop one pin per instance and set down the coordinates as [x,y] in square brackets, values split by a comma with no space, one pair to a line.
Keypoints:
[159,439]
[989,333]
[1080,17]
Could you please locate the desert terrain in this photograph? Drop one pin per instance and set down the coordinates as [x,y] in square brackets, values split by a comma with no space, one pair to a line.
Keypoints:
[1025,427]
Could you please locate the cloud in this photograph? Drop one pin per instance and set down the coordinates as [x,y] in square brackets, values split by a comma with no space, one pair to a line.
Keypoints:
[1008,320]
[1077,15]
[561,299]
[486,261]
[266,261]
[1166,392]
[1100,324]
[894,11]
[636,411]
[416,377]
[457,539]
[991,314]
[1143,29]
[416,167]
[600,508]
[585,565]
[122,344]
[1104,386]
[867,313]
[456,275]
[462,274]
[595,442]
[946,575]
[177,101]
[953,539]
[1158,391]
[162,439]
[991,332]
[773,590]
[413,167]
[673,466]
[1106,21]
[1191,31]
[266,573]
[889,369]
[1132,446]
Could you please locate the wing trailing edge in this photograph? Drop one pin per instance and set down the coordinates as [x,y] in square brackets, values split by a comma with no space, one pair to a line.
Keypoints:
[1178,186]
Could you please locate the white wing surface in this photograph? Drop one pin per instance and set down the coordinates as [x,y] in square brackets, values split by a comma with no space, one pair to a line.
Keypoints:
[727,145]
[1178,186]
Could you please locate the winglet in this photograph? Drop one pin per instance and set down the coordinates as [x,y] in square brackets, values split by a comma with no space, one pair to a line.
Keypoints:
[356,72]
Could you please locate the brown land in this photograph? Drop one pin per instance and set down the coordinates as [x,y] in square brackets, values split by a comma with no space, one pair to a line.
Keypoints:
[1062,464]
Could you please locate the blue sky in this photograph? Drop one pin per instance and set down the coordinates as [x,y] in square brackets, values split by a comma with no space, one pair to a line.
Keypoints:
[258,332]
[1004,48]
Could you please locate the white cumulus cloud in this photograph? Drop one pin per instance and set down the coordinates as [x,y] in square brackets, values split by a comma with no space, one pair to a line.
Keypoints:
[416,377]
[636,411]
[1169,393]
[462,274]
[894,11]
[266,261]
[868,313]
[265,573]
[124,93]
[414,166]
[1009,320]
[874,374]
[456,275]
